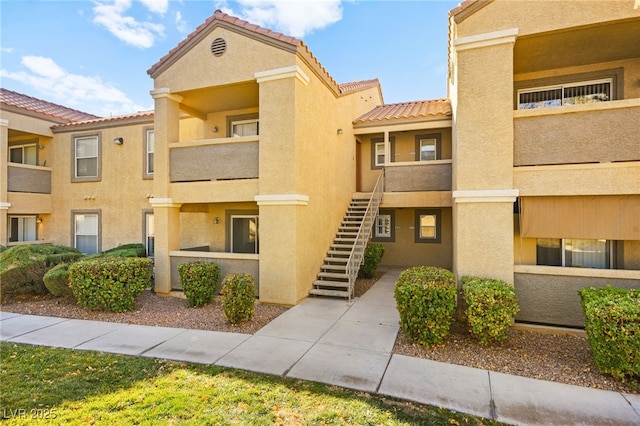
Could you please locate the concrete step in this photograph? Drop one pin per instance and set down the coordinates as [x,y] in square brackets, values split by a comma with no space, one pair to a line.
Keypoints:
[337,259]
[327,267]
[330,293]
[332,275]
[331,284]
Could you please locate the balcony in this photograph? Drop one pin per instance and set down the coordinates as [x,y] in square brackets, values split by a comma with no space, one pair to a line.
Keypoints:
[418,176]
[28,178]
[211,160]
[601,132]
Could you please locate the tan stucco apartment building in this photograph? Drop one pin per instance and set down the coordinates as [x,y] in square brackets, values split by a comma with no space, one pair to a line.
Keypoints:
[256,159]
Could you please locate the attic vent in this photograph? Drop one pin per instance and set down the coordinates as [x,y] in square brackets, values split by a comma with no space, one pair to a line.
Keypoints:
[218,47]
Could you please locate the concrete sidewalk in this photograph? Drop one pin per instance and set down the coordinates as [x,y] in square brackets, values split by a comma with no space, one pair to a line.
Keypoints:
[344,344]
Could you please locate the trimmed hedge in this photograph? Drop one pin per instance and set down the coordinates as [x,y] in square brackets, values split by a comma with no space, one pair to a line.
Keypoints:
[491,308]
[200,281]
[110,284]
[238,297]
[612,324]
[124,250]
[22,268]
[57,280]
[426,300]
[372,256]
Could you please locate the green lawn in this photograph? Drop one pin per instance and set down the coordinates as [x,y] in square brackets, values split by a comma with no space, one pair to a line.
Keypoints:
[84,387]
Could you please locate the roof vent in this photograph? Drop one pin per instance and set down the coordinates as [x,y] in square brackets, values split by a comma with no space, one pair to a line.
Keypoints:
[218,47]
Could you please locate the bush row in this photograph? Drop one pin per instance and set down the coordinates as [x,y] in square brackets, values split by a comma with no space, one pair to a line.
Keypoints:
[426,298]
[612,324]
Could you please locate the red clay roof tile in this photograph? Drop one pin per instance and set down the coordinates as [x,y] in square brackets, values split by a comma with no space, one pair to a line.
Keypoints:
[51,111]
[406,111]
[105,121]
[358,85]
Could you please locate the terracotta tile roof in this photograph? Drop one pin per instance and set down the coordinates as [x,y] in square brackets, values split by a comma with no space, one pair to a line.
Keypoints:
[466,8]
[141,116]
[221,18]
[358,85]
[51,111]
[406,111]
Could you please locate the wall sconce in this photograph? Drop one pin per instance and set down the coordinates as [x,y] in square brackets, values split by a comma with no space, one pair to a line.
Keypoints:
[339,131]
[118,141]
[216,220]
[40,146]
[38,219]
[214,129]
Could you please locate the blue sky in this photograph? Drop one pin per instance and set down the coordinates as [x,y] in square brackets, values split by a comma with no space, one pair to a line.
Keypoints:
[94,55]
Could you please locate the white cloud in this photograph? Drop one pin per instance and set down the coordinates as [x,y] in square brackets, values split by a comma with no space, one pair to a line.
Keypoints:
[6,49]
[82,92]
[181,24]
[157,6]
[294,18]
[127,28]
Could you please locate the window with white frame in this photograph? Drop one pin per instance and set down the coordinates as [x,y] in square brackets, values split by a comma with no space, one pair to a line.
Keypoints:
[428,149]
[22,228]
[383,226]
[585,92]
[85,237]
[149,152]
[572,252]
[245,127]
[244,234]
[24,154]
[149,231]
[379,154]
[427,226]
[86,157]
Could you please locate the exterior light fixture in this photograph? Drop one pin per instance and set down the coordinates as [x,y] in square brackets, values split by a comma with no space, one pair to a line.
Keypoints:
[118,141]
[339,131]
[38,219]
[214,129]
[216,220]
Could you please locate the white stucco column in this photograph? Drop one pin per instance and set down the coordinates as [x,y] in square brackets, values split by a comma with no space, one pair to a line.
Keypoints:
[483,192]
[4,158]
[166,213]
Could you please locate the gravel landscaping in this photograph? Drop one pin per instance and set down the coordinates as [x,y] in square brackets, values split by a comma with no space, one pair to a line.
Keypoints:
[561,357]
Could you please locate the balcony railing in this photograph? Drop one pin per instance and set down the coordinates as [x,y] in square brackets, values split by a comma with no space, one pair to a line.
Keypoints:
[418,176]
[592,133]
[214,159]
[27,178]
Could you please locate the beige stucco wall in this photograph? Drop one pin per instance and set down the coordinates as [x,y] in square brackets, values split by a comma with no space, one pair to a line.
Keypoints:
[120,195]
[404,251]
[541,15]
[199,68]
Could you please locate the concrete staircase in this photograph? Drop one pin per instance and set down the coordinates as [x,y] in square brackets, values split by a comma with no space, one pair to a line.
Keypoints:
[333,278]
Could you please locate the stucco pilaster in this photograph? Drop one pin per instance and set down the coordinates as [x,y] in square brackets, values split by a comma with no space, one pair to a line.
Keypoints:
[483,193]
[166,216]
[166,127]
[4,156]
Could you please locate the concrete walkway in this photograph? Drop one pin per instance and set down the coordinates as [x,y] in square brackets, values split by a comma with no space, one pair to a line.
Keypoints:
[344,344]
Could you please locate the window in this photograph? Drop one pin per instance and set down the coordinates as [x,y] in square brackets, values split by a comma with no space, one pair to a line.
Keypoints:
[427,226]
[85,235]
[574,253]
[244,234]
[149,152]
[21,228]
[384,226]
[566,94]
[24,154]
[379,154]
[149,234]
[245,128]
[86,155]
[428,149]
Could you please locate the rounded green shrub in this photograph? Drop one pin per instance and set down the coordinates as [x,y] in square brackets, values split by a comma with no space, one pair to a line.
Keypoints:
[57,280]
[22,268]
[612,324]
[426,300]
[238,297]
[199,281]
[110,284]
[372,256]
[491,306]
[123,250]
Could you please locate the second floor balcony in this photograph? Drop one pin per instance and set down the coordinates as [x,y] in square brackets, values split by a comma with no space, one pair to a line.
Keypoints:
[29,179]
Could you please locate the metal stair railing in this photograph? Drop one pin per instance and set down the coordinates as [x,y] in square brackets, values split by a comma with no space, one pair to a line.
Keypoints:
[364,232]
